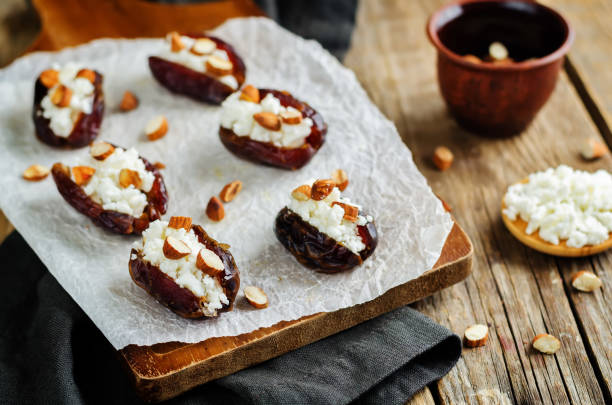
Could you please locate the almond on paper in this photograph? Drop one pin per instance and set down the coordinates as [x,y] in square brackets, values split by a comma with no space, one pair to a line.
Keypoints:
[443,158]
[230,191]
[291,117]
[586,281]
[203,46]
[250,93]
[82,174]
[35,173]
[49,78]
[175,249]
[350,212]
[268,120]
[101,150]
[340,177]
[87,74]
[128,177]
[321,189]
[545,343]
[218,66]
[476,335]
[210,263]
[156,128]
[180,222]
[593,149]
[256,297]
[176,43]
[302,193]
[129,101]
[61,96]
[215,210]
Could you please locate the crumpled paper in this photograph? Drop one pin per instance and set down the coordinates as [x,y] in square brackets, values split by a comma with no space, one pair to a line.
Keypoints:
[92,263]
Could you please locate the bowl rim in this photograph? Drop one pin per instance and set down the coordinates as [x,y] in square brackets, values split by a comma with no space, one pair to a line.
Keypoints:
[432,34]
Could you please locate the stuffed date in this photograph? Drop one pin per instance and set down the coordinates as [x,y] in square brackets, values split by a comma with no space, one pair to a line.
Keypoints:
[185,269]
[68,106]
[323,230]
[117,189]
[201,66]
[271,127]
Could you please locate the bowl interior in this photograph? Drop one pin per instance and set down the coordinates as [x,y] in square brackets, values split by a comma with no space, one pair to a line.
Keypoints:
[528,30]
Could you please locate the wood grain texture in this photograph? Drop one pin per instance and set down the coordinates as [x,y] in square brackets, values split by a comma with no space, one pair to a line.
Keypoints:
[165,370]
[514,289]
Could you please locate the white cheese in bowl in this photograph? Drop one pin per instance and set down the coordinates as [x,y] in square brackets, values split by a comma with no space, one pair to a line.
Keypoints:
[328,219]
[564,204]
[184,270]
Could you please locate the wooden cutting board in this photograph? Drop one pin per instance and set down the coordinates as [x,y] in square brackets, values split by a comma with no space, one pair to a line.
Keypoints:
[166,370]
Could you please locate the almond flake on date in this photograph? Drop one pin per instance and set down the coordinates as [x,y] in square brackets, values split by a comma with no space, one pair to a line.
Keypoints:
[180,222]
[49,78]
[129,177]
[156,128]
[101,150]
[321,189]
[230,191]
[176,43]
[159,165]
[61,96]
[82,174]
[175,249]
[218,66]
[350,211]
[203,46]
[268,120]
[302,193]
[291,117]
[250,93]
[209,263]
[340,177]
[129,102]
[87,74]
[256,297]
[35,173]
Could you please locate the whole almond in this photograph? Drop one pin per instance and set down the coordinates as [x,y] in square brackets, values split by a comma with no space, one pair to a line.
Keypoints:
[321,189]
[250,93]
[340,177]
[215,210]
[35,173]
[180,222]
[129,177]
[230,191]
[82,174]
[268,120]
[302,193]
[49,78]
[129,101]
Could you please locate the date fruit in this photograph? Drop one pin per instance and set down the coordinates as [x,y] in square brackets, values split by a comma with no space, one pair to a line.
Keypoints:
[270,154]
[315,250]
[86,127]
[178,299]
[114,221]
[200,86]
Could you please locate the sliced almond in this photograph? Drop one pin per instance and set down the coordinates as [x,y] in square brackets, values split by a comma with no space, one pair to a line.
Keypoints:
[101,150]
[180,222]
[443,158]
[61,96]
[350,211]
[230,191]
[546,343]
[156,128]
[256,297]
[497,51]
[159,165]
[321,189]
[176,43]
[472,59]
[87,74]
[129,101]
[82,174]
[340,177]
[175,249]
[49,78]
[215,210]
[268,120]
[218,66]
[291,116]
[593,148]
[210,263]
[250,93]
[129,177]
[476,335]
[302,193]
[586,281]
[203,46]
[35,173]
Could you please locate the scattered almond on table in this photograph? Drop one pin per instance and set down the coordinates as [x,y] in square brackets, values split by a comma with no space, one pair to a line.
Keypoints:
[256,297]
[476,335]
[593,149]
[230,191]
[215,210]
[129,102]
[545,343]
[585,281]
[156,128]
[35,173]
[443,158]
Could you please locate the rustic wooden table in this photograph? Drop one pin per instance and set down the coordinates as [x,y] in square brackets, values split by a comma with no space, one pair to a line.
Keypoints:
[517,291]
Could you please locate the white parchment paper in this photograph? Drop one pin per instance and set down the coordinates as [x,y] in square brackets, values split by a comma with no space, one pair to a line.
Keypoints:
[92,264]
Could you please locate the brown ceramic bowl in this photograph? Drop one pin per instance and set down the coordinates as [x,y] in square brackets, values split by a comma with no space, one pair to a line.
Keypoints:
[498,99]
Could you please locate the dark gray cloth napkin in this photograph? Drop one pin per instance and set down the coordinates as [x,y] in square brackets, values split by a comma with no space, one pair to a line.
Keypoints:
[50,352]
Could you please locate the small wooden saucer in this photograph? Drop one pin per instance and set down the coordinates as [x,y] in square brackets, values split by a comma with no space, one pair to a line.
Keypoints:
[517,228]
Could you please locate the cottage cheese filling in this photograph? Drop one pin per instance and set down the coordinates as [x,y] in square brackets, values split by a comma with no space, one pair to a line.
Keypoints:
[103,187]
[329,219]
[238,116]
[564,204]
[196,62]
[62,119]
[183,271]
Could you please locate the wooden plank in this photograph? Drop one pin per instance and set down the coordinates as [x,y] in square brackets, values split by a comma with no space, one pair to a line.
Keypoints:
[517,291]
[165,370]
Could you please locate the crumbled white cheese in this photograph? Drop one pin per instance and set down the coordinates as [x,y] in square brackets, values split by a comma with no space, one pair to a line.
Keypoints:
[62,119]
[196,62]
[329,219]
[238,116]
[564,204]
[103,187]
[184,270]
